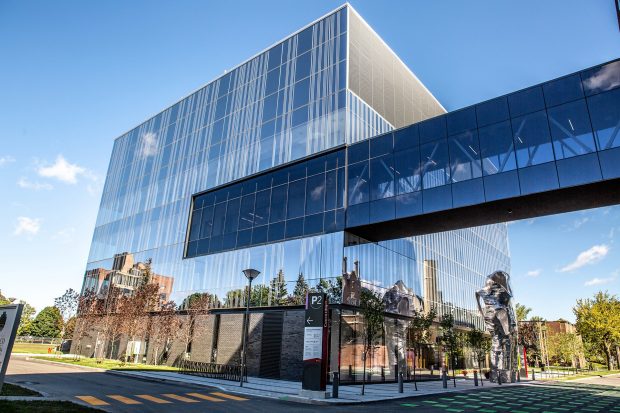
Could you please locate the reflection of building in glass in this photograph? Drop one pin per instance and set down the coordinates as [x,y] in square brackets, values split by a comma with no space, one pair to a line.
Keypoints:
[127,275]
[267,167]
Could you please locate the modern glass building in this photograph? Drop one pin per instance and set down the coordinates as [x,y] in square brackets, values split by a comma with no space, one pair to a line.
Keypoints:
[250,171]
[258,169]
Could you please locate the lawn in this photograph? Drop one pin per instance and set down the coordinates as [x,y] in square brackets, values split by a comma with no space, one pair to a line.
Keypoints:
[108,364]
[43,407]
[9,389]
[33,348]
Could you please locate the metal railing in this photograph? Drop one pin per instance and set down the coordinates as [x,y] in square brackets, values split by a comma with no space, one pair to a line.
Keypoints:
[38,340]
[557,372]
[212,370]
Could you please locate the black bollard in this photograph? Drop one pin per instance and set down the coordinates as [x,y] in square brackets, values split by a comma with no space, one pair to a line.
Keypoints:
[499,377]
[444,378]
[533,375]
[400,382]
[476,378]
[335,384]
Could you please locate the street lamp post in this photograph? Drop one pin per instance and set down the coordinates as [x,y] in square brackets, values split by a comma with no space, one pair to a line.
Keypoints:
[250,274]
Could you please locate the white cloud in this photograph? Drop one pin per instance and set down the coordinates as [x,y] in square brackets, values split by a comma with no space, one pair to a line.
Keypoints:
[534,273]
[589,256]
[148,144]
[37,186]
[27,225]
[579,222]
[64,235]
[598,281]
[62,170]
[605,79]
[4,160]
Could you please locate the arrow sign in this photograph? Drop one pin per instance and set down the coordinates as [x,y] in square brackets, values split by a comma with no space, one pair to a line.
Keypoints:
[309,320]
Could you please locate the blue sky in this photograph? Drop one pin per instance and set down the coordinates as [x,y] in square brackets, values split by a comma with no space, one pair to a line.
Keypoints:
[75,75]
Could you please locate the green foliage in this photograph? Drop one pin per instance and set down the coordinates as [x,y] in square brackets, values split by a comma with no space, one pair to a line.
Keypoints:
[69,328]
[373,310]
[333,289]
[522,312]
[598,322]
[67,303]
[300,291]
[202,300]
[449,337]
[48,323]
[564,348]
[278,291]
[480,343]
[4,300]
[419,327]
[259,296]
[25,324]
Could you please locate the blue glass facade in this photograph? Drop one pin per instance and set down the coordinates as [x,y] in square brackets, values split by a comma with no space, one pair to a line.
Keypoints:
[251,171]
[556,135]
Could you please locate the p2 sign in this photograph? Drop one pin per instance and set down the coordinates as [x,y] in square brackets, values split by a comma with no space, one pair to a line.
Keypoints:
[315,342]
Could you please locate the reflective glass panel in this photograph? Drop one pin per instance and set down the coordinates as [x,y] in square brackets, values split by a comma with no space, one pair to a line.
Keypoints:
[563,90]
[492,111]
[382,177]
[408,171]
[497,148]
[532,140]
[315,194]
[526,101]
[465,156]
[461,120]
[571,130]
[602,78]
[278,203]
[432,129]
[605,115]
[435,164]
[358,183]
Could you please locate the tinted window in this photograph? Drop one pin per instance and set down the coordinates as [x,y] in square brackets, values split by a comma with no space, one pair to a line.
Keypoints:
[497,148]
[432,129]
[358,152]
[381,145]
[605,114]
[232,216]
[464,156]
[275,56]
[493,111]
[272,82]
[219,215]
[563,90]
[408,171]
[358,183]
[296,199]
[301,93]
[406,138]
[435,164]
[261,212]
[601,79]
[382,177]
[302,66]
[461,120]
[315,194]
[570,130]
[526,101]
[278,203]
[532,140]
[246,215]
[304,41]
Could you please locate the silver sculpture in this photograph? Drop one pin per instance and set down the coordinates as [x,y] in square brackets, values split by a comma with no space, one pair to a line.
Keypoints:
[402,300]
[501,322]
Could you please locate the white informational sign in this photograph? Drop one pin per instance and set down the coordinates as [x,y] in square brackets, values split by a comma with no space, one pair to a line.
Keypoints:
[9,321]
[313,343]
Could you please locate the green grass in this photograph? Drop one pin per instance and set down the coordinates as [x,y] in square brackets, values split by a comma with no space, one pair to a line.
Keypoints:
[108,364]
[43,407]
[32,348]
[591,374]
[9,389]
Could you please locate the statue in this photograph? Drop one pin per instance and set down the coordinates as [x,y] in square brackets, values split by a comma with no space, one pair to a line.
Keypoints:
[501,322]
[402,300]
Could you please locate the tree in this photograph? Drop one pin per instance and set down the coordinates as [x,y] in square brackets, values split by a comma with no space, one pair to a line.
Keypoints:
[598,322]
[48,323]
[25,324]
[67,303]
[565,349]
[480,343]
[373,311]
[522,312]
[277,289]
[419,332]
[83,320]
[301,290]
[163,327]
[529,339]
[449,339]
[194,306]
[134,311]
[69,328]
[4,300]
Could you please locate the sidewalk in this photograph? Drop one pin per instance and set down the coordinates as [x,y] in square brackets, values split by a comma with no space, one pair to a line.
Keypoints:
[289,390]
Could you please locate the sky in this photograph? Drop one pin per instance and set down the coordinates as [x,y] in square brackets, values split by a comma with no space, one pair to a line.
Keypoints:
[74,75]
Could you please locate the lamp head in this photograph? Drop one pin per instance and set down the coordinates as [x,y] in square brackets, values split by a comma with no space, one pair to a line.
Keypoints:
[251,273]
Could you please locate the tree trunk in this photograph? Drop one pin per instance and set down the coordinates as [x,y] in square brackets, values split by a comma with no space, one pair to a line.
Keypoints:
[618,354]
[415,354]
[608,355]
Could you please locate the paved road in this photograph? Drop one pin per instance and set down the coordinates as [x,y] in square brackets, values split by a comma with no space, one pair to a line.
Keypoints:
[125,394]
